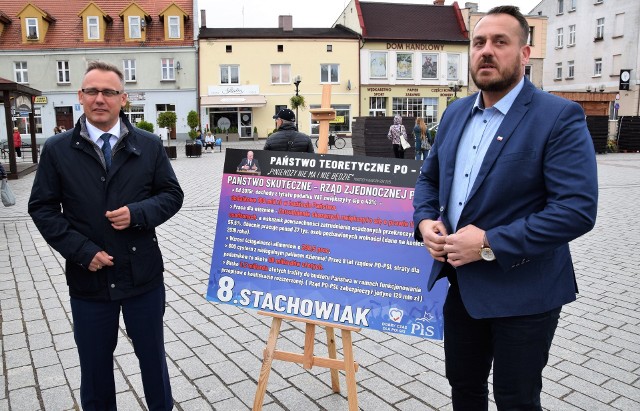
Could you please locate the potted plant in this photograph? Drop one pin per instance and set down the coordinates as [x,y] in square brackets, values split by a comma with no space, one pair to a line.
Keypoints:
[255,133]
[193,150]
[297,102]
[145,125]
[168,119]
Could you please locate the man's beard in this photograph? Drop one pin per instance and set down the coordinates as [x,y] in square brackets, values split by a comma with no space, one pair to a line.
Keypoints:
[504,82]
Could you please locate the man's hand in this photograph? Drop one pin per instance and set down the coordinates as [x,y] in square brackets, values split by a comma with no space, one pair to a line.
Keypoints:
[100,260]
[120,218]
[463,247]
[433,236]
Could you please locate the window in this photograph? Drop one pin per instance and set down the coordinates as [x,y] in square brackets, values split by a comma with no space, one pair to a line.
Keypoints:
[558,71]
[416,107]
[618,25]
[63,72]
[281,73]
[453,62]
[559,38]
[560,6]
[378,64]
[174,27]
[93,28]
[530,39]
[616,65]
[430,65]
[527,72]
[134,113]
[404,66]
[600,28]
[597,67]
[572,35]
[229,74]
[329,73]
[229,49]
[280,48]
[570,69]
[329,48]
[134,27]
[377,106]
[23,122]
[572,5]
[129,70]
[32,28]
[168,70]
[20,72]
[342,123]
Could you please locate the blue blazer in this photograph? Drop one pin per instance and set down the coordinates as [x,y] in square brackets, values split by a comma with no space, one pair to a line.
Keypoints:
[536,191]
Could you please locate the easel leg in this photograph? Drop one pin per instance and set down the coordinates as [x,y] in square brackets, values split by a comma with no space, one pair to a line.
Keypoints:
[352,389]
[331,345]
[266,364]
[309,340]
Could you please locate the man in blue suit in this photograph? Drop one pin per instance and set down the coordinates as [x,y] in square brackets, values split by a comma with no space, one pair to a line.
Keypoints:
[510,180]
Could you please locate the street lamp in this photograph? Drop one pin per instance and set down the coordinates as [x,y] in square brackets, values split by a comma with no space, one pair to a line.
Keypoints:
[297,82]
[455,87]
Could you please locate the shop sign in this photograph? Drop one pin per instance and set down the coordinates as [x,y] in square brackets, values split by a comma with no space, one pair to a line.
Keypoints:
[40,100]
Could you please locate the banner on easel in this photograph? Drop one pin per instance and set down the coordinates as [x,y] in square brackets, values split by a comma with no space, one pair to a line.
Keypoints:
[325,237]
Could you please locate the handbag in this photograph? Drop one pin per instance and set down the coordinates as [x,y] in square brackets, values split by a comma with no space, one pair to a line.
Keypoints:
[403,140]
[8,198]
[425,144]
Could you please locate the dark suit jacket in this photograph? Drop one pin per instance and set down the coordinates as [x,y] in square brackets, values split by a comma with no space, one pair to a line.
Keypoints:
[536,191]
[245,162]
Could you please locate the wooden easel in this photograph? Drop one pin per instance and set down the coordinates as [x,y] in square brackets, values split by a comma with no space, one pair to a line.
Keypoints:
[308,360]
[324,115]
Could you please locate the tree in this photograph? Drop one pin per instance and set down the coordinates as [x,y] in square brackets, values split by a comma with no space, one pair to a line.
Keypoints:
[167,119]
[193,121]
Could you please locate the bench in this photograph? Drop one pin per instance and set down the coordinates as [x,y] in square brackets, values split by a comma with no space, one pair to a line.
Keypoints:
[26,147]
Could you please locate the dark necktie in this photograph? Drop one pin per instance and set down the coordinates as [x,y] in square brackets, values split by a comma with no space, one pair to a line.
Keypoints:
[106,149]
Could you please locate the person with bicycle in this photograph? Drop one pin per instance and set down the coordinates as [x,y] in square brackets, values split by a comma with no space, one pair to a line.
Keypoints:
[288,138]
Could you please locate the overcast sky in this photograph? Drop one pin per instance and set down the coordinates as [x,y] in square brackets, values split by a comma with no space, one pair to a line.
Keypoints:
[306,13]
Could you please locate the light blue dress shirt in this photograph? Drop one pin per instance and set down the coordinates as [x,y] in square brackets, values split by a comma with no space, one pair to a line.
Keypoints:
[474,143]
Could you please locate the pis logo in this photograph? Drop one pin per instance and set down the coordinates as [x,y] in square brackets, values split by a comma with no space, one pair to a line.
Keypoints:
[396,314]
[421,327]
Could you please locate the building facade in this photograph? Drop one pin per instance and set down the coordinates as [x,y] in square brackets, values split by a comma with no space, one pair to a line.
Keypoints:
[247,75]
[46,44]
[589,45]
[413,68]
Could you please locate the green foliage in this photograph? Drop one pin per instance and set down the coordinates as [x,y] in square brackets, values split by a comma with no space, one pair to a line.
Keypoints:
[192,134]
[192,119]
[297,102]
[167,119]
[145,125]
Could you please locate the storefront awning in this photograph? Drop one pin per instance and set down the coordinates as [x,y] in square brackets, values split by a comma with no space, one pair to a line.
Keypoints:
[233,101]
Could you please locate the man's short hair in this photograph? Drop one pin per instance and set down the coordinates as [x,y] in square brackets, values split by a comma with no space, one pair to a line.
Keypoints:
[104,66]
[514,11]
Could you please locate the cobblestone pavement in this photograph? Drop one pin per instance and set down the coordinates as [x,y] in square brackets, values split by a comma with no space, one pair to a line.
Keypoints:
[215,351]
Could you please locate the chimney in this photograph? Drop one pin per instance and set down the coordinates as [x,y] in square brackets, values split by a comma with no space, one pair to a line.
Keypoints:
[473,7]
[285,23]
[203,18]
[438,2]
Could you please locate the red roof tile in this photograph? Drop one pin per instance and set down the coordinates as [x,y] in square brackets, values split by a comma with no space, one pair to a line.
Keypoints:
[392,21]
[66,31]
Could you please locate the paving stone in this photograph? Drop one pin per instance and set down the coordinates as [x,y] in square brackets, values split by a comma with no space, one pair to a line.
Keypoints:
[58,398]
[213,389]
[24,399]
[20,377]
[193,367]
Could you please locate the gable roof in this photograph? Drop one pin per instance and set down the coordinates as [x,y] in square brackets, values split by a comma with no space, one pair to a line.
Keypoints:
[66,32]
[392,21]
[338,32]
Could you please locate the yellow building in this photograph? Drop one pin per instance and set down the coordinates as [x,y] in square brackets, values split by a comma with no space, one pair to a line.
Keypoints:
[413,59]
[246,75]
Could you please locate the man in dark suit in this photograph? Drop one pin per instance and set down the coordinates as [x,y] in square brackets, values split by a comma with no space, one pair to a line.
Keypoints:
[249,163]
[100,191]
[510,181]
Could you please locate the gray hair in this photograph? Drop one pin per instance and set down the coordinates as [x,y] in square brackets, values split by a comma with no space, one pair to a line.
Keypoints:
[104,66]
